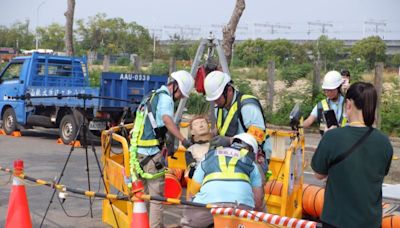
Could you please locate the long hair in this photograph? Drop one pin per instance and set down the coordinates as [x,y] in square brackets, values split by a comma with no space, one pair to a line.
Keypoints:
[364,96]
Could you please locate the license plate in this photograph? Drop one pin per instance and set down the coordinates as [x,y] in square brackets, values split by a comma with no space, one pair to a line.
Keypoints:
[97,125]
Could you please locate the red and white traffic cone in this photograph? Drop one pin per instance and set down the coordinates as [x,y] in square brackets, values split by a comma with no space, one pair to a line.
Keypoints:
[140,218]
[18,210]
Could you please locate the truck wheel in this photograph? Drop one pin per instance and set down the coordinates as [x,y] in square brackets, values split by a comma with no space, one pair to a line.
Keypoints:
[67,129]
[9,121]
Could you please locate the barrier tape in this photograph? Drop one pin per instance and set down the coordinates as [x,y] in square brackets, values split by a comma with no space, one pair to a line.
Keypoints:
[253,215]
[64,188]
[264,217]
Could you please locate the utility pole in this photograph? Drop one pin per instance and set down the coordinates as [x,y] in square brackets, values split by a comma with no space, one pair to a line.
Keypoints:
[155,33]
[273,27]
[175,28]
[191,32]
[323,26]
[377,25]
[37,24]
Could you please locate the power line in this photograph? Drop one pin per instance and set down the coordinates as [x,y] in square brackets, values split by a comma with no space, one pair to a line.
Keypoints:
[323,26]
[273,27]
[376,25]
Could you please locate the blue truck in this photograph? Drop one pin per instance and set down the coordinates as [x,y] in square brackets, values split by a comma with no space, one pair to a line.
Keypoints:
[50,91]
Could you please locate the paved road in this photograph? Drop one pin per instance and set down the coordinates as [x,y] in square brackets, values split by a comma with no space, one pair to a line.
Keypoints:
[44,159]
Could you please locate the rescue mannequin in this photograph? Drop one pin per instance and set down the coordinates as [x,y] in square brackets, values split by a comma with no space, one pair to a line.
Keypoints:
[201,135]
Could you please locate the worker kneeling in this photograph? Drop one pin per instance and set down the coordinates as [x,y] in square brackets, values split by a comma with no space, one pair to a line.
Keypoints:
[227,177]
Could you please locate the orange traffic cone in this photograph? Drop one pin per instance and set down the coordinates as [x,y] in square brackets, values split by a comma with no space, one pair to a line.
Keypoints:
[140,218]
[2,132]
[16,134]
[76,143]
[59,141]
[18,210]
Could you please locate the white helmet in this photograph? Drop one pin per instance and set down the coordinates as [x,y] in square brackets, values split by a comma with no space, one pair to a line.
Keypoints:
[332,80]
[185,81]
[215,83]
[248,139]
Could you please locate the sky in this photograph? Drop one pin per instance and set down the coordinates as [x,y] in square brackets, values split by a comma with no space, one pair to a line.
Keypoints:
[290,19]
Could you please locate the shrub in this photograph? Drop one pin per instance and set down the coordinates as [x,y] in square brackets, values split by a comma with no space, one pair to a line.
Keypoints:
[390,109]
[244,87]
[123,61]
[159,68]
[94,77]
[294,72]
[197,104]
[281,116]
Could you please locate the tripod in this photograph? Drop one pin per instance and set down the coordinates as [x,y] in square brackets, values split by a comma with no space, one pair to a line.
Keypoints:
[82,130]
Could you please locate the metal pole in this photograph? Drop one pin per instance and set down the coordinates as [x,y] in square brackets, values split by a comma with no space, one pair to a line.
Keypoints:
[37,24]
[193,72]
[154,45]
[271,81]
[221,56]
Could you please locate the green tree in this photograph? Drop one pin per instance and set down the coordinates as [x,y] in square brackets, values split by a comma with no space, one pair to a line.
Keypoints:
[52,37]
[371,49]
[178,49]
[330,51]
[250,52]
[279,50]
[17,36]
[113,36]
[395,60]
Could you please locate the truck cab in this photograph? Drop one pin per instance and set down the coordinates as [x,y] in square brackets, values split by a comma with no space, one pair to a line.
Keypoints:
[39,90]
[54,92]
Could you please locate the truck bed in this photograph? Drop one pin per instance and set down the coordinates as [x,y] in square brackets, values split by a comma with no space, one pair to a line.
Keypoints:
[128,86]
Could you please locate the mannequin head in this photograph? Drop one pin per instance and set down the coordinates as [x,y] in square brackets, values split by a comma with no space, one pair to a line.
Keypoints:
[200,129]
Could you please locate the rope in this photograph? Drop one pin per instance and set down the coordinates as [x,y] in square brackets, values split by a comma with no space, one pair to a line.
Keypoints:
[64,188]
[134,162]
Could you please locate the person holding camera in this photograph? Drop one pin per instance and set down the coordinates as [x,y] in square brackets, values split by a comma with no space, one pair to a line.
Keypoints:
[354,159]
[334,101]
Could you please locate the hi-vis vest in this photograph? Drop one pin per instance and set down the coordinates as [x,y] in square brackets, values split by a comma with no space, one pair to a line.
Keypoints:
[228,126]
[324,106]
[227,164]
[149,136]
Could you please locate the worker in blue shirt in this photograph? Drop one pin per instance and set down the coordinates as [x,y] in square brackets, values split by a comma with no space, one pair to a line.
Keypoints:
[236,113]
[226,177]
[157,110]
[334,101]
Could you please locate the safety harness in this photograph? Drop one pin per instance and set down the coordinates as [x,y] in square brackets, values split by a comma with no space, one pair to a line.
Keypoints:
[228,126]
[145,110]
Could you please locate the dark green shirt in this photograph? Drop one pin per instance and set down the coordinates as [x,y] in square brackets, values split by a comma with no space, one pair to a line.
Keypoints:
[353,196]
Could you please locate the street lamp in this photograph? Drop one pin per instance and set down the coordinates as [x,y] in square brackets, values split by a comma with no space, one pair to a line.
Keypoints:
[37,23]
